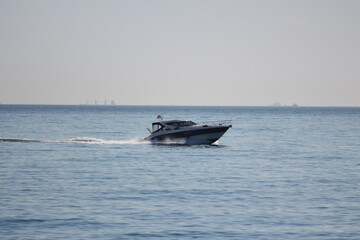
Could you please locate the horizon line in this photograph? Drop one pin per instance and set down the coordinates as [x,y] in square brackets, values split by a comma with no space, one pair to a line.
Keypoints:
[175,105]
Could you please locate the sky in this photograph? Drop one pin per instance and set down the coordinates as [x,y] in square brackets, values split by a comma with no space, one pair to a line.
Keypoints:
[180,52]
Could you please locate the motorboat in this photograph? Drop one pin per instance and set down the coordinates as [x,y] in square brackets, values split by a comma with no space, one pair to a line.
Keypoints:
[187,132]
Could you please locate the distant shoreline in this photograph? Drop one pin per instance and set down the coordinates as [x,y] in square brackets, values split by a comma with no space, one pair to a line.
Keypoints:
[139,105]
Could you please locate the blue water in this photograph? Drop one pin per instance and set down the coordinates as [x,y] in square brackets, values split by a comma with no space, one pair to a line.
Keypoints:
[80,172]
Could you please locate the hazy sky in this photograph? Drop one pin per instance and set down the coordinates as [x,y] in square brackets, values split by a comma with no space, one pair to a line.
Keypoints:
[168,52]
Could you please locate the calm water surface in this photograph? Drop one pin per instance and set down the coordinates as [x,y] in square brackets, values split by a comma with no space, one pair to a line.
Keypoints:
[80,172]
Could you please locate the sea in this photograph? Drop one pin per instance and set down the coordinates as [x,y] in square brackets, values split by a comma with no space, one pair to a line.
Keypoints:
[83,172]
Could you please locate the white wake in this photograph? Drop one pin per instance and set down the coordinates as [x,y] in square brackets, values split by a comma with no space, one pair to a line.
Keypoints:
[89,140]
[79,140]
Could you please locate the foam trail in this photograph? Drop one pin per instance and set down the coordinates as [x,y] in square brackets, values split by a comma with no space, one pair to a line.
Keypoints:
[79,140]
[18,140]
[171,142]
[85,140]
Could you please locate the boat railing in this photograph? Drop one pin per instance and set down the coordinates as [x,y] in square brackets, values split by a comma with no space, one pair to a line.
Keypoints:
[215,123]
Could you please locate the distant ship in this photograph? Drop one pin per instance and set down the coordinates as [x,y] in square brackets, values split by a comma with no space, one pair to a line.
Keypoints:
[95,102]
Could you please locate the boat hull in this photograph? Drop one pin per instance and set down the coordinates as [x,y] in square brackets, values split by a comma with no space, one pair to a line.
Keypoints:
[203,135]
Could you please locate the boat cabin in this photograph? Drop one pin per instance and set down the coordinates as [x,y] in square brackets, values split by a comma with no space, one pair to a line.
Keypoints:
[171,125]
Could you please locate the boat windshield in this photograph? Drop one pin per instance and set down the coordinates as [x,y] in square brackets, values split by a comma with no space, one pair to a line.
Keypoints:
[188,123]
[156,127]
[181,123]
